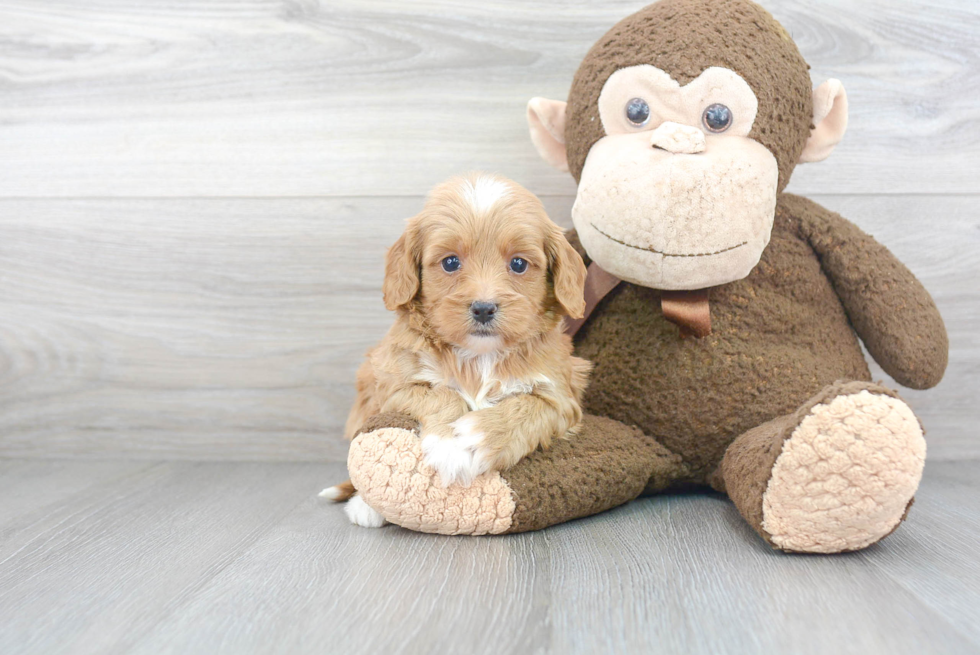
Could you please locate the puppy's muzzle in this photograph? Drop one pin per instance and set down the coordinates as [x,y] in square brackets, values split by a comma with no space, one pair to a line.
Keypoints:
[483,312]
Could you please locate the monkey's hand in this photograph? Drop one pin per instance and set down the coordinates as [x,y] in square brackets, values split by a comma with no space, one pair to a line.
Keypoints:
[892,312]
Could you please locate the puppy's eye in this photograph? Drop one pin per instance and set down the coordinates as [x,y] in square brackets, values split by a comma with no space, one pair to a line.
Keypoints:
[518,265]
[717,118]
[450,264]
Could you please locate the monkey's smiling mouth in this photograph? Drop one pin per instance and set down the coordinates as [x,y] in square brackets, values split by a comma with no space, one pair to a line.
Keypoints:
[667,254]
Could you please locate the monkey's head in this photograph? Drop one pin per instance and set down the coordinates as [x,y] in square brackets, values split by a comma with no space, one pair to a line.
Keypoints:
[683,124]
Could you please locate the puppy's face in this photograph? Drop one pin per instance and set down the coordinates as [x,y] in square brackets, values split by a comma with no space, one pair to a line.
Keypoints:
[485,266]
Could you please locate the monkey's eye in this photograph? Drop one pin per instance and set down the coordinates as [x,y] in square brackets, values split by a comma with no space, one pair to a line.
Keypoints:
[717,118]
[450,264]
[638,112]
[518,265]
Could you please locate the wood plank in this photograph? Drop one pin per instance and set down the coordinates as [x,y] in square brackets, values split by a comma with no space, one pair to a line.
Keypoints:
[685,574]
[679,574]
[29,487]
[374,97]
[933,556]
[241,558]
[139,321]
[317,584]
[102,568]
[231,329]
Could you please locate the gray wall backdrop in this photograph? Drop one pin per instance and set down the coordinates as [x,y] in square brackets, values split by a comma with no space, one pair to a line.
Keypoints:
[195,197]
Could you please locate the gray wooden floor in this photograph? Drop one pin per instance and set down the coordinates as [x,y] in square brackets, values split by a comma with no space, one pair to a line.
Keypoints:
[191,557]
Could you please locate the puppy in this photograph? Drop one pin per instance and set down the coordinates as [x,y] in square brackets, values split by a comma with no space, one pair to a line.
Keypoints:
[480,280]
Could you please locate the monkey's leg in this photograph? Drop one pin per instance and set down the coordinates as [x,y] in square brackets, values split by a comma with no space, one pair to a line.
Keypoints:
[606,464]
[837,475]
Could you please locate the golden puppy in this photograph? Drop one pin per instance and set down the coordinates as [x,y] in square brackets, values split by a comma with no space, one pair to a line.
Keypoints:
[481,280]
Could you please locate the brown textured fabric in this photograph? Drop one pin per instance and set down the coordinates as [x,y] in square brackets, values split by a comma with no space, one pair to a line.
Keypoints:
[675,36]
[688,310]
[605,465]
[747,466]
[892,312]
[598,284]
[389,420]
[778,337]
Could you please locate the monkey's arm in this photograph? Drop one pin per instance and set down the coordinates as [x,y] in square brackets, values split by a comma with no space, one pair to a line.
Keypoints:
[889,308]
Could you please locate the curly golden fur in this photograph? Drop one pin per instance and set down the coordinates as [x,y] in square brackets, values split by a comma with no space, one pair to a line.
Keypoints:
[485,394]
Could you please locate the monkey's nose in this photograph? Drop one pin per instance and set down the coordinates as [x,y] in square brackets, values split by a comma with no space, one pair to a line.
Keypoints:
[483,312]
[678,139]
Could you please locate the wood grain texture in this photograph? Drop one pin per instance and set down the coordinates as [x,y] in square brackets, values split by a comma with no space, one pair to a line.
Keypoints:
[945,521]
[378,97]
[694,578]
[241,558]
[95,572]
[143,322]
[31,486]
[231,329]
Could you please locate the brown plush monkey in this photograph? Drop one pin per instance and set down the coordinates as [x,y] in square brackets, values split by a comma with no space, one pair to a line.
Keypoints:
[726,313]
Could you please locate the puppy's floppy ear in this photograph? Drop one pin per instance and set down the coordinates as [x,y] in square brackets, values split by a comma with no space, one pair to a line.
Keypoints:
[567,274]
[401,271]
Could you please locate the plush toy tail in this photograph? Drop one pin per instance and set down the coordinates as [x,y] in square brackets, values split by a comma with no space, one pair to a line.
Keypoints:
[339,492]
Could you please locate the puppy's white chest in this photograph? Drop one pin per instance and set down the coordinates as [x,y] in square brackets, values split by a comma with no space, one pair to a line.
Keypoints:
[492,392]
[475,380]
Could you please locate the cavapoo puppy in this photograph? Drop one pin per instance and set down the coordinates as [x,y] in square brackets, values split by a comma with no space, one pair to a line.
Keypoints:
[481,281]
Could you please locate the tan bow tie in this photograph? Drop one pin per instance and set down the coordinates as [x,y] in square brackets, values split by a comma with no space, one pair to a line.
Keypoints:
[688,310]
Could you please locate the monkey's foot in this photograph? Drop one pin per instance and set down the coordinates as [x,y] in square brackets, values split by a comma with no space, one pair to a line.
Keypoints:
[837,475]
[388,470]
[846,475]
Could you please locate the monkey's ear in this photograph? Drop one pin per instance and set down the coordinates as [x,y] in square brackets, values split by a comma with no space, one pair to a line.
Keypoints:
[401,273]
[829,120]
[567,273]
[546,118]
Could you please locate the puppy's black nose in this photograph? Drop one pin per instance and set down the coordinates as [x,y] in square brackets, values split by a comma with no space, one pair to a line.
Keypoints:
[482,311]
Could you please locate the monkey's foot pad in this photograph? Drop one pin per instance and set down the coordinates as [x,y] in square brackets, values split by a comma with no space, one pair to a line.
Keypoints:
[846,475]
[387,468]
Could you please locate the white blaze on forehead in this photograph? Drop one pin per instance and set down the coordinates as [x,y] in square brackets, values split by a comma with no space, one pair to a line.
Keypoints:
[484,192]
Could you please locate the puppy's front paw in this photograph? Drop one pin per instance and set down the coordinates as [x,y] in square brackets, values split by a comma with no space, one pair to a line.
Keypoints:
[360,513]
[459,458]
